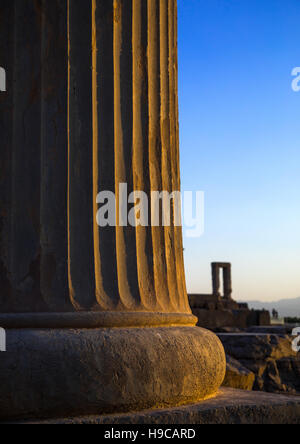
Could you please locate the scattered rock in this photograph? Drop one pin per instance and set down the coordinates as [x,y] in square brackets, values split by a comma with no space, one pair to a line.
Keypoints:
[228,330]
[271,329]
[257,347]
[238,376]
[269,357]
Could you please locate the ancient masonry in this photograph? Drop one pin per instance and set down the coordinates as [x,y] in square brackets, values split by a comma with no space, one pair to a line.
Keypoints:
[226,267]
[216,311]
[98,319]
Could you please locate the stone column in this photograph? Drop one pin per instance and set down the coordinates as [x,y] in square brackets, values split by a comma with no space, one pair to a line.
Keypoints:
[227,282]
[215,268]
[97,319]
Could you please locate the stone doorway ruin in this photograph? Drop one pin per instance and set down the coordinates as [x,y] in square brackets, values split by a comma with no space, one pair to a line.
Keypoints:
[217,267]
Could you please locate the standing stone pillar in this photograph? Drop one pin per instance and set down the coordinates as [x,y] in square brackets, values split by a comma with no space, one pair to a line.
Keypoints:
[216,283]
[227,280]
[97,319]
[227,283]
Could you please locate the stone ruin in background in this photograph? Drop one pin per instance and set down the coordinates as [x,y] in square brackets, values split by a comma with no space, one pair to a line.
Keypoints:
[216,311]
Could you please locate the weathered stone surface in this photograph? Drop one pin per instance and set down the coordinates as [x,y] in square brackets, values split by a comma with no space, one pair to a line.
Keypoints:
[92,103]
[289,370]
[279,376]
[229,330]
[257,346]
[282,330]
[216,318]
[270,357]
[227,282]
[49,373]
[213,319]
[238,376]
[259,317]
[216,312]
[229,407]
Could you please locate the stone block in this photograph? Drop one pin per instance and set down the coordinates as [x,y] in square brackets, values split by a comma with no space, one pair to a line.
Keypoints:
[238,376]
[228,407]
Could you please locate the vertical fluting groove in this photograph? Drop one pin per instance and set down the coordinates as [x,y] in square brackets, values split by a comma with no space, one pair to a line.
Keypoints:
[178,230]
[176,92]
[25,173]
[7,57]
[166,147]
[155,149]
[141,179]
[98,277]
[110,298]
[125,235]
[71,289]
[13,147]
[107,96]
[54,157]
[81,206]
[172,153]
[105,301]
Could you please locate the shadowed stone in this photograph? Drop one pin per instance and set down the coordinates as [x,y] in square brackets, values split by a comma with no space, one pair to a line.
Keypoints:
[228,407]
[238,376]
[269,356]
[218,313]
[227,283]
[97,318]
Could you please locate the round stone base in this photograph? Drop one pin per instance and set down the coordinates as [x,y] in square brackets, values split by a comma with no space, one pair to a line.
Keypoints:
[230,406]
[50,373]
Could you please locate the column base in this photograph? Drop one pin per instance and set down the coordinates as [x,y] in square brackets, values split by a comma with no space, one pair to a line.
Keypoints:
[228,407]
[51,373]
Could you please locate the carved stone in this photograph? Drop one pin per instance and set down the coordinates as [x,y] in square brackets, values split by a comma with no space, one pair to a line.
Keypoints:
[216,268]
[97,319]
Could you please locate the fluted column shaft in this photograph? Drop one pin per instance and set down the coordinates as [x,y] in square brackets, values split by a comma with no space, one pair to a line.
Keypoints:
[91,103]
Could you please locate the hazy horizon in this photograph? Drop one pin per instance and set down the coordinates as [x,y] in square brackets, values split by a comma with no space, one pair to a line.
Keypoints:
[240,126]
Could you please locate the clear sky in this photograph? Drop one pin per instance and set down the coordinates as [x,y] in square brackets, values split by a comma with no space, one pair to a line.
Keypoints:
[240,141]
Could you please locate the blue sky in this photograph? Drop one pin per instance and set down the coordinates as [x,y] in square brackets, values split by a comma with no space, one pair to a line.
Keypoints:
[240,141]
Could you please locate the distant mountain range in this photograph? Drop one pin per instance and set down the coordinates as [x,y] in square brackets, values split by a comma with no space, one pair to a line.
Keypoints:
[285,307]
